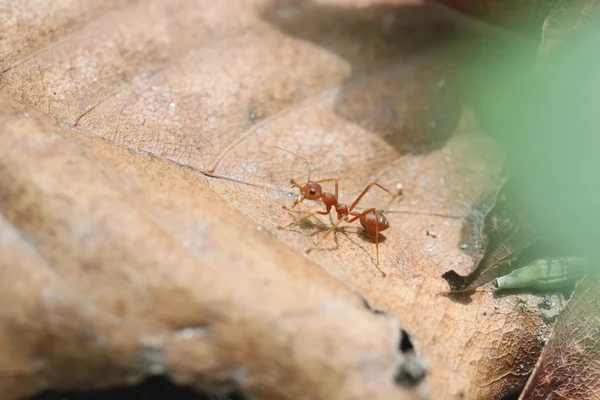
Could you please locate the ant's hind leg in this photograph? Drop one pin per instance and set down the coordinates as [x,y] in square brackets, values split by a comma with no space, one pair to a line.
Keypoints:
[357,215]
[383,274]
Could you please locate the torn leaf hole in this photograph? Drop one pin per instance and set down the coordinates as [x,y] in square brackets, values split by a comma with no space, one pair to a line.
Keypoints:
[405,342]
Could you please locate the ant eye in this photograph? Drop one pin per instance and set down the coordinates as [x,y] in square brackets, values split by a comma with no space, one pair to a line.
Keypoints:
[313,191]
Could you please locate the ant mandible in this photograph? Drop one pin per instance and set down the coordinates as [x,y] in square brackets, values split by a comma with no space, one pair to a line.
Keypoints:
[371,219]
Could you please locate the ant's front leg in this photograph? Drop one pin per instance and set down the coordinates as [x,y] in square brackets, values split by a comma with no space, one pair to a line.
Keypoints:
[298,200]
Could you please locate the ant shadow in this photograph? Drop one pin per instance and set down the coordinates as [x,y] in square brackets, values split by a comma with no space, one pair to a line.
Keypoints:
[315,227]
[312,224]
[384,45]
[370,236]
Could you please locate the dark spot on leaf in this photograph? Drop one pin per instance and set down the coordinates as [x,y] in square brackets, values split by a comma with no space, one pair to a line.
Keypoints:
[252,114]
[373,310]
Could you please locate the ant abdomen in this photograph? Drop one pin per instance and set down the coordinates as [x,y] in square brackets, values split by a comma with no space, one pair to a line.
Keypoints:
[374,223]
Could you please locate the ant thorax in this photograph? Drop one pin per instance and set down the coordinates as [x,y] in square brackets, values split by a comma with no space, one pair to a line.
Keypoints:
[329,200]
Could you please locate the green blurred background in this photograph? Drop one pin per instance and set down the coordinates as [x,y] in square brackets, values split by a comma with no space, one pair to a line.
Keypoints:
[540,99]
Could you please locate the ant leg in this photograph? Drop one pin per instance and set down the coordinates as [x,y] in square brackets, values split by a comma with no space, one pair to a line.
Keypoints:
[302,219]
[377,242]
[357,216]
[336,184]
[369,186]
[299,200]
[333,228]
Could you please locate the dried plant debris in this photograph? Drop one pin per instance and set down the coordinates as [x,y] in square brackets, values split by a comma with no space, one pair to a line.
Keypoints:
[568,367]
[509,242]
[514,258]
[545,274]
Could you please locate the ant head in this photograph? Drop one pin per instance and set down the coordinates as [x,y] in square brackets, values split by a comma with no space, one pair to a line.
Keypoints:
[311,190]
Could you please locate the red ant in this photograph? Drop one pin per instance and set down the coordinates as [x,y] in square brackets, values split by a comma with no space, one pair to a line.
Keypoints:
[371,220]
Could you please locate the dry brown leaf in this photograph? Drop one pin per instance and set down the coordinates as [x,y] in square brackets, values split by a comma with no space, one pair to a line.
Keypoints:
[568,367]
[151,267]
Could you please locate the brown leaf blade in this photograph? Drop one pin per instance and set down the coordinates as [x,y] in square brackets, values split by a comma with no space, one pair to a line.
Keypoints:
[107,281]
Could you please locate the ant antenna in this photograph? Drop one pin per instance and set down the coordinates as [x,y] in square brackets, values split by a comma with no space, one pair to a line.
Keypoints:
[298,155]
